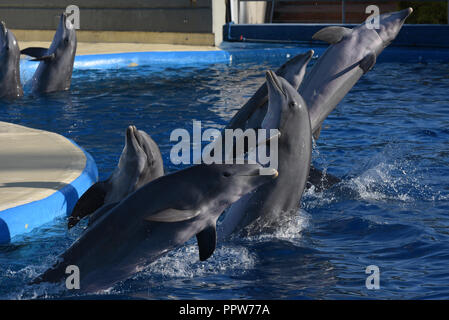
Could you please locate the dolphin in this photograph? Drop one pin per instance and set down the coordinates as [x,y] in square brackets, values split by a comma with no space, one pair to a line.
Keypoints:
[140,162]
[10,86]
[54,72]
[253,112]
[263,208]
[157,218]
[352,53]
[251,115]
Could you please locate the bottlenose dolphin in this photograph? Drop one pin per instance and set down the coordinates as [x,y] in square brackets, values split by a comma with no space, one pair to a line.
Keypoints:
[54,72]
[253,112]
[10,86]
[352,53]
[140,162]
[263,208]
[157,218]
[251,115]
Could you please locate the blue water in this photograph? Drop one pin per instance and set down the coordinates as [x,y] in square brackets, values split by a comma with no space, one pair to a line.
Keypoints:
[388,140]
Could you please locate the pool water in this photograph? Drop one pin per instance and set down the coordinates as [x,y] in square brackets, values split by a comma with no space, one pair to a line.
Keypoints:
[388,140]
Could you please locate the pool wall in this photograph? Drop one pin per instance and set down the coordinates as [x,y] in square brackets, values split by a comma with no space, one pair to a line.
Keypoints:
[24,218]
[231,53]
[411,35]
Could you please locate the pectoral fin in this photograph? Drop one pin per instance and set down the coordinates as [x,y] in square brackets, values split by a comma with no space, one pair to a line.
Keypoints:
[317,132]
[207,240]
[172,215]
[368,62]
[321,180]
[89,202]
[331,35]
[37,53]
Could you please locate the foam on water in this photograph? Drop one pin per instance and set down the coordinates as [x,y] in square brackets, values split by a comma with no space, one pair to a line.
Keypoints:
[184,262]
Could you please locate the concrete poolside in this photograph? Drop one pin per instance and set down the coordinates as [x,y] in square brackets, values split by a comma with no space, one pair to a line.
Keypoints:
[35,163]
[84,48]
[40,175]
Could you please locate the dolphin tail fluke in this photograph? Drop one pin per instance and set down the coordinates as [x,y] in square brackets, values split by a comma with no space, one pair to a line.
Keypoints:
[207,241]
[89,202]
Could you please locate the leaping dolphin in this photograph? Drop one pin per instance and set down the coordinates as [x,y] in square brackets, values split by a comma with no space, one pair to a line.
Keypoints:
[155,219]
[352,53]
[262,209]
[253,112]
[54,72]
[140,162]
[10,86]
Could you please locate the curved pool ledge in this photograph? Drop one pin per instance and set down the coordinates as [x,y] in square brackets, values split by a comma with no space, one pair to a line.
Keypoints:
[42,176]
[229,53]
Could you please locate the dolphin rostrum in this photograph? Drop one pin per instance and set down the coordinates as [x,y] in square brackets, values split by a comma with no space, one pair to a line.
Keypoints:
[10,86]
[352,53]
[157,218]
[263,208]
[54,72]
[139,163]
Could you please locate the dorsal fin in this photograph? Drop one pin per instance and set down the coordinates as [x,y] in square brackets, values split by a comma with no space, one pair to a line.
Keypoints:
[89,202]
[331,35]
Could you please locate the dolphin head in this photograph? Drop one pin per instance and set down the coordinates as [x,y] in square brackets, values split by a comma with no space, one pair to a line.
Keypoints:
[390,24]
[226,183]
[284,103]
[8,43]
[294,69]
[64,41]
[132,163]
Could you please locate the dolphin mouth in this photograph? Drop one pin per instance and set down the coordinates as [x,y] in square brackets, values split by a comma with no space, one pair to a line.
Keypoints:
[3,29]
[408,12]
[133,137]
[310,54]
[273,172]
[274,81]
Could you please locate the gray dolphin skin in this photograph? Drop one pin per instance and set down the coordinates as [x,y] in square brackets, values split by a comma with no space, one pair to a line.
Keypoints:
[253,112]
[352,53]
[157,218]
[10,86]
[140,162]
[264,208]
[54,72]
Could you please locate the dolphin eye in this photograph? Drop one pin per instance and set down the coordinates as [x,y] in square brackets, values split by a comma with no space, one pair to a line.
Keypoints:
[226,174]
[292,104]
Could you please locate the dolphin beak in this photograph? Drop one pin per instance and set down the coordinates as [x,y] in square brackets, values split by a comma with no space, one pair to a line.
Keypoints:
[406,13]
[130,134]
[273,82]
[3,29]
[310,54]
